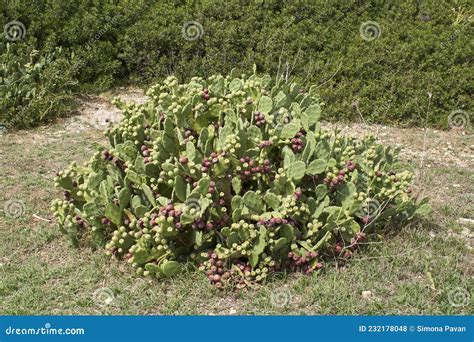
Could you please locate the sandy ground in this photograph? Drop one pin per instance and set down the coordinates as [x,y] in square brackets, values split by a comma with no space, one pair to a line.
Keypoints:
[97,111]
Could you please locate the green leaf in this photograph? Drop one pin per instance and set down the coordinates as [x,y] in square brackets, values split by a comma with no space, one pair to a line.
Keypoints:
[313,112]
[272,200]
[323,149]
[180,188]
[280,100]
[237,202]
[309,148]
[316,167]
[291,129]
[218,86]
[124,197]
[259,246]
[321,191]
[345,195]
[203,185]
[90,209]
[153,268]
[280,243]
[253,201]
[235,85]
[288,156]
[136,201]
[265,105]
[170,268]
[198,238]
[113,213]
[186,219]
[140,211]
[253,259]
[322,241]
[287,232]
[133,177]
[423,210]
[261,242]
[66,183]
[236,184]
[296,170]
[140,255]
[321,208]
[236,213]
[149,194]
[254,133]
[191,151]
[306,246]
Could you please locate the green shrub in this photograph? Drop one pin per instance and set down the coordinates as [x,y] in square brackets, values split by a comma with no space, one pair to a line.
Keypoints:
[33,87]
[233,174]
[423,48]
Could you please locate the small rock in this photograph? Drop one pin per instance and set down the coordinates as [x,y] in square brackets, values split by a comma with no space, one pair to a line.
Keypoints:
[232,311]
[367,294]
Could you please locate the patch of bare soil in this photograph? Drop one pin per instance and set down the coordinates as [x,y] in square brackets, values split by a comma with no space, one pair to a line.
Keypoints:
[427,147]
[98,111]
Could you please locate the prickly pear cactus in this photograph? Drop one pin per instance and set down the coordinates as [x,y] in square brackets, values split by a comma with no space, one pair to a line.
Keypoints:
[234,175]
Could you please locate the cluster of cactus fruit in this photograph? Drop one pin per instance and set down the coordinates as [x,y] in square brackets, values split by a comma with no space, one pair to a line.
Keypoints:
[234,175]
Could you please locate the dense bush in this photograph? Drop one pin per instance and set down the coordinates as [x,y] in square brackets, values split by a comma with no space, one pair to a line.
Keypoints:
[411,48]
[33,87]
[235,175]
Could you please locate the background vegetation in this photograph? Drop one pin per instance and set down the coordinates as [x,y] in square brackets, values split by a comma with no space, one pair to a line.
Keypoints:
[424,47]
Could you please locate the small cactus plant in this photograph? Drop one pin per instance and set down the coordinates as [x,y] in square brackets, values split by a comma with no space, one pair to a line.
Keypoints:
[235,175]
